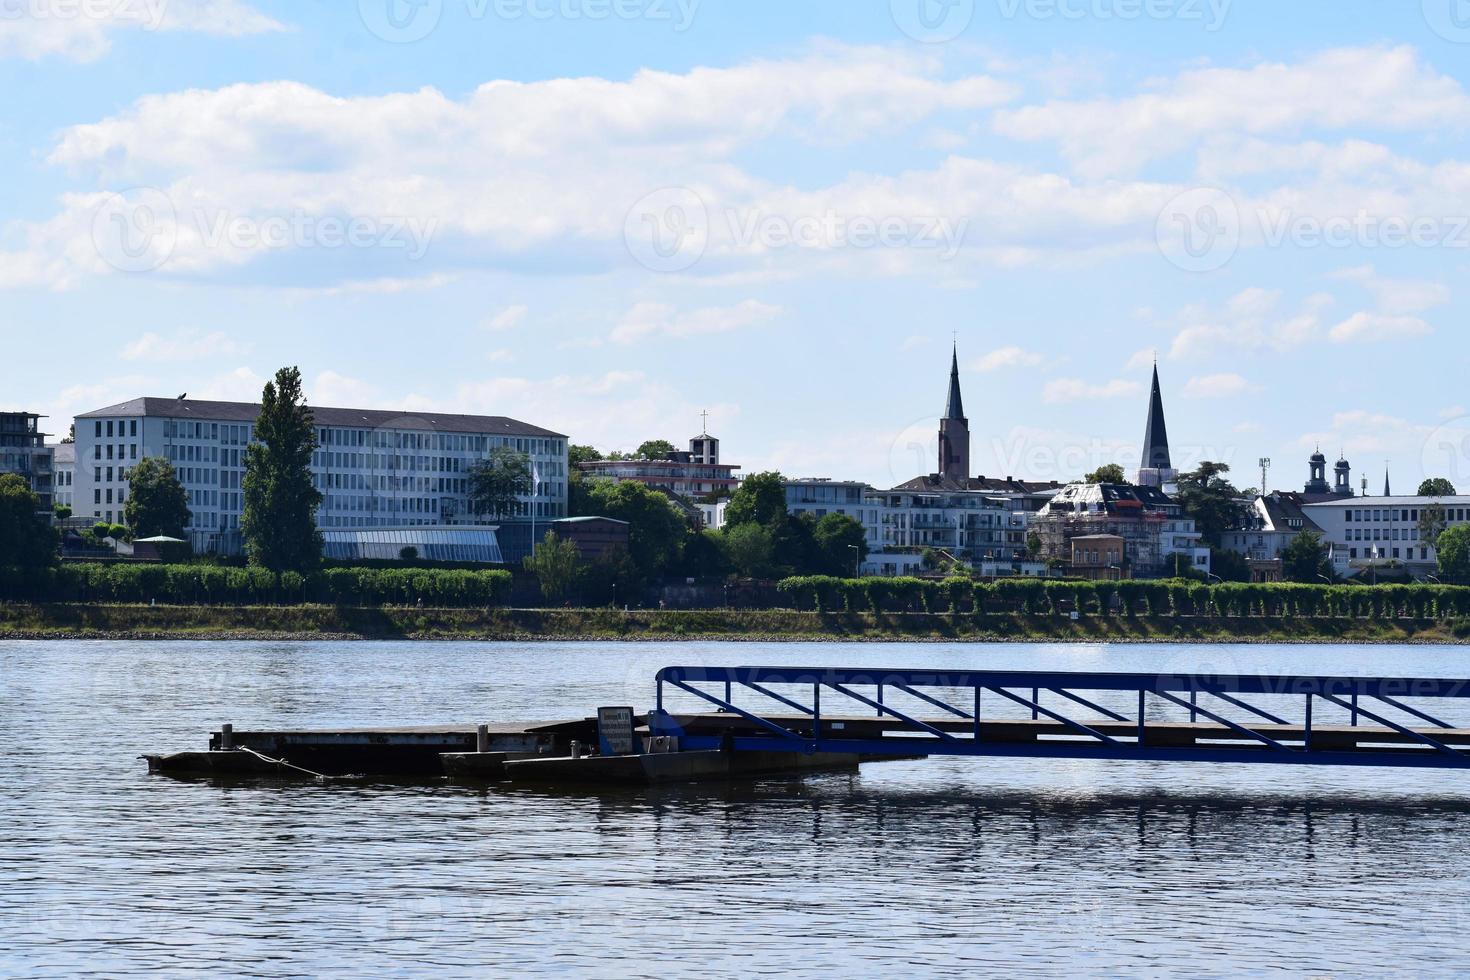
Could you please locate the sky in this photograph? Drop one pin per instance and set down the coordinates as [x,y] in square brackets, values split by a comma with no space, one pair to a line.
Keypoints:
[607,217]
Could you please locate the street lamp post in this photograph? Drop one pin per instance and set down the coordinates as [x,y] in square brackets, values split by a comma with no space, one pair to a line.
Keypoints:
[857,559]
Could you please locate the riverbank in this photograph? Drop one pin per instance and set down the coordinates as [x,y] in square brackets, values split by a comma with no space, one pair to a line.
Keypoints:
[122,621]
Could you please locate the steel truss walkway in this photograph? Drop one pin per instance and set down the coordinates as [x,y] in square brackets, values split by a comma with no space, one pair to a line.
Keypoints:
[1285,719]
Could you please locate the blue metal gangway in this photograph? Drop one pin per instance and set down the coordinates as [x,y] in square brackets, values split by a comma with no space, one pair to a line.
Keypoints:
[878,713]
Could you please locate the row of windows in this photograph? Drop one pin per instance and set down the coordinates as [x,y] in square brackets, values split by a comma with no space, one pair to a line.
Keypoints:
[1385,553]
[1363,515]
[442,441]
[131,451]
[99,427]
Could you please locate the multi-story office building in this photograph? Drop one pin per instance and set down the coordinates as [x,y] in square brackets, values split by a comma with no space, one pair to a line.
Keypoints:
[23,451]
[375,469]
[1365,535]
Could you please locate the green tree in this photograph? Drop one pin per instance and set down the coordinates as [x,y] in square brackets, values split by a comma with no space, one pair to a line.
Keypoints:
[1432,522]
[1108,473]
[1454,554]
[1211,500]
[26,540]
[281,500]
[657,529]
[655,449]
[704,555]
[71,435]
[748,548]
[841,544]
[1436,486]
[1033,545]
[157,502]
[498,481]
[1229,565]
[408,553]
[557,565]
[1305,559]
[760,499]
[582,454]
[62,511]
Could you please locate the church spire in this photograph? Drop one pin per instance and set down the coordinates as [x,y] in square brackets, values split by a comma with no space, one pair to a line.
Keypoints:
[955,408]
[954,431]
[1156,434]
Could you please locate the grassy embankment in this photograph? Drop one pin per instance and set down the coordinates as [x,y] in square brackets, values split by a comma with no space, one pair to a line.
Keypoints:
[104,621]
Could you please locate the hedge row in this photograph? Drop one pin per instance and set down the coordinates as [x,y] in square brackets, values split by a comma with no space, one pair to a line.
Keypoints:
[211,585]
[1177,597]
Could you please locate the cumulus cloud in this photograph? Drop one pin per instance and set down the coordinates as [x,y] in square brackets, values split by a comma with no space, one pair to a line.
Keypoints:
[647,320]
[1073,389]
[508,318]
[1251,321]
[1375,327]
[1216,386]
[1339,88]
[1007,357]
[183,345]
[35,29]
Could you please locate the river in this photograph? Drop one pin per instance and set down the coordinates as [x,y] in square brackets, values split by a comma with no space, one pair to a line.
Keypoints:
[936,867]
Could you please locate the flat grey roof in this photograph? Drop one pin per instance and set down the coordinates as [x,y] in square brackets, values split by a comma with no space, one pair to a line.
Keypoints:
[358,418]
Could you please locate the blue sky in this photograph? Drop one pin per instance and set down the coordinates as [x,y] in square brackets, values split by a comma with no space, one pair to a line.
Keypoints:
[606,216]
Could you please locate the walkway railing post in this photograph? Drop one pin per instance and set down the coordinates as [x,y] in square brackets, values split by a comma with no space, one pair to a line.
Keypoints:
[880,700]
[1307,732]
[1355,709]
[1140,718]
[1035,700]
[978,689]
[816,711]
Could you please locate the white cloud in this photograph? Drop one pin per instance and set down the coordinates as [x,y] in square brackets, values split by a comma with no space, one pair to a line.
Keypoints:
[1252,321]
[335,390]
[1216,386]
[1073,389]
[508,318]
[500,355]
[183,345]
[613,410]
[1373,327]
[914,342]
[239,385]
[1398,296]
[82,31]
[647,320]
[1334,89]
[1007,357]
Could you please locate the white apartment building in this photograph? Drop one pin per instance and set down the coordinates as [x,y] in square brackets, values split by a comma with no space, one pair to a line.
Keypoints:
[374,468]
[64,463]
[900,525]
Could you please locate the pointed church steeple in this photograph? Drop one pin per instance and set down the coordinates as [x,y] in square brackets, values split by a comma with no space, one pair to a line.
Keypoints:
[954,431]
[1156,468]
[955,407]
[1386,491]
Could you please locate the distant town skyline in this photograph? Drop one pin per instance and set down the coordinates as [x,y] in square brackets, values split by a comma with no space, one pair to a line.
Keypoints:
[784,217]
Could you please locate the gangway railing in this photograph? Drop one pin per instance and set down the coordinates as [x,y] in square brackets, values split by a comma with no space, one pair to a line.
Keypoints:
[1280,719]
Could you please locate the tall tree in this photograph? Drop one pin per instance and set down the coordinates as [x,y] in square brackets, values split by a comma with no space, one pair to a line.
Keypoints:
[26,539]
[1108,473]
[157,502]
[841,544]
[582,454]
[1211,500]
[498,482]
[1436,486]
[760,499]
[1453,552]
[1305,559]
[1432,522]
[557,565]
[281,501]
[656,530]
[748,548]
[656,449]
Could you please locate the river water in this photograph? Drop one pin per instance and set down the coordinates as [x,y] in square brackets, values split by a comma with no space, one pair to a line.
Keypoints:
[935,867]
